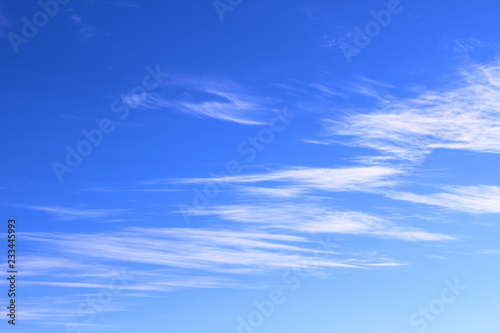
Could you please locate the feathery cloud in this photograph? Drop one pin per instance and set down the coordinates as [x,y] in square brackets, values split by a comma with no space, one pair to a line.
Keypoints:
[471,199]
[204,98]
[64,213]
[464,117]
[313,219]
[303,178]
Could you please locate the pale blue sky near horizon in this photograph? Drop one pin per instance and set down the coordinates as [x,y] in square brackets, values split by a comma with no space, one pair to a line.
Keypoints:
[171,164]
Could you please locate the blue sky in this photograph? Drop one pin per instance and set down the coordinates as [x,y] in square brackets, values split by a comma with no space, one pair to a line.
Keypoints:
[252,166]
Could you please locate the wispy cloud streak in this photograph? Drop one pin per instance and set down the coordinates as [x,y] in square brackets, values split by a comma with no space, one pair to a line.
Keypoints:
[327,179]
[65,213]
[471,199]
[311,219]
[465,117]
[210,98]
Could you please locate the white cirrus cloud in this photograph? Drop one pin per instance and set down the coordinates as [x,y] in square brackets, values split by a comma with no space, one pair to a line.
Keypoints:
[313,219]
[303,178]
[465,116]
[203,97]
[215,258]
[472,199]
[74,213]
